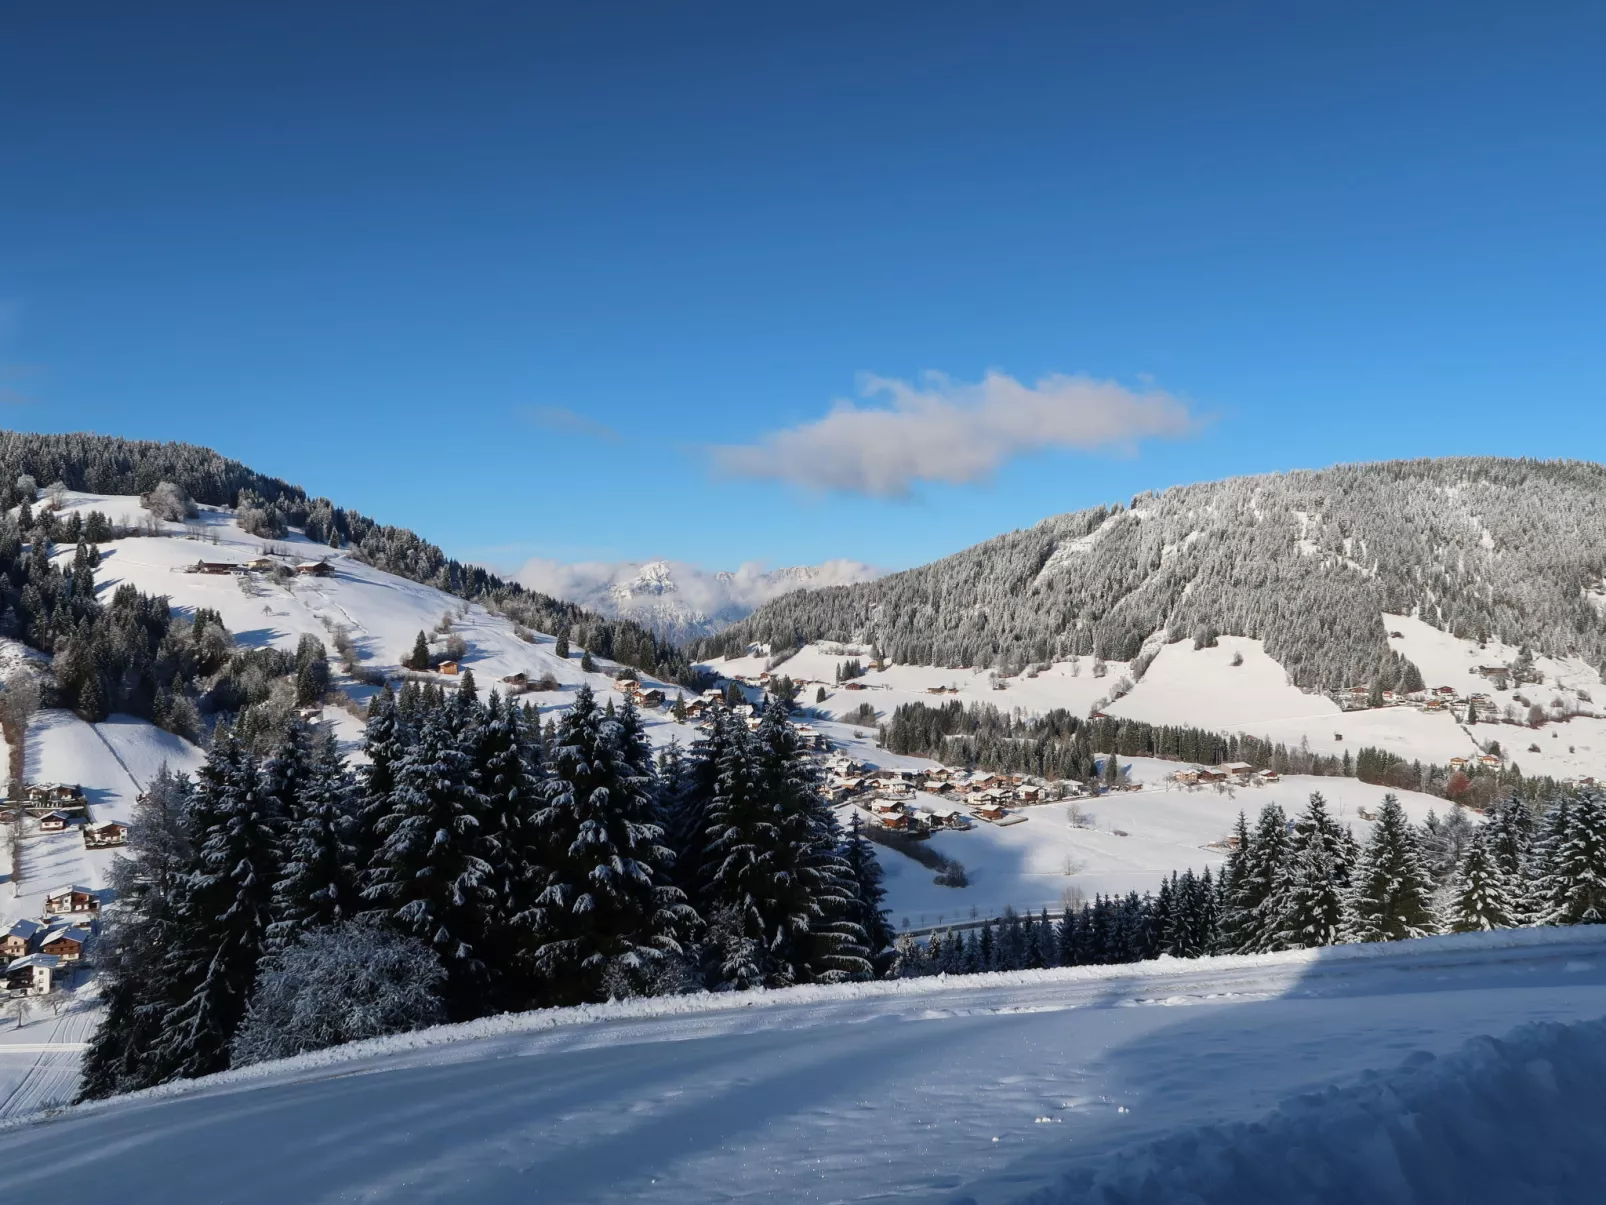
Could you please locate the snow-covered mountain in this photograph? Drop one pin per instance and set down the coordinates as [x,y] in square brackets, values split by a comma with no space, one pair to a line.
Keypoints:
[678,600]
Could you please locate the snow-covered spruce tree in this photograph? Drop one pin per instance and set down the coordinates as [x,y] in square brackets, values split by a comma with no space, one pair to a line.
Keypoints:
[317,884]
[342,983]
[1255,923]
[1391,890]
[605,913]
[137,934]
[864,869]
[771,868]
[387,735]
[509,770]
[1509,833]
[1480,896]
[1308,901]
[427,877]
[1574,884]
[224,908]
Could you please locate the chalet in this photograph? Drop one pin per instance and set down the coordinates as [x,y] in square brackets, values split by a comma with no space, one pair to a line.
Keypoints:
[105,836]
[1444,692]
[1029,794]
[517,683]
[1187,777]
[55,822]
[988,809]
[1270,776]
[19,939]
[220,568]
[263,564]
[890,815]
[1493,671]
[31,976]
[449,668]
[713,696]
[73,900]
[1491,760]
[1366,813]
[1211,774]
[1458,763]
[854,686]
[629,685]
[315,569]
[944,815]
[1237,769]
[650,698]
[66,944]
[53,794]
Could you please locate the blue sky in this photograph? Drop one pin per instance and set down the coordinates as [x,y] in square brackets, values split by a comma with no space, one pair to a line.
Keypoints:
[513,274]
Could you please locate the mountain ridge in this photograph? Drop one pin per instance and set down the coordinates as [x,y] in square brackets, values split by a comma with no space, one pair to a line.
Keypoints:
[1307,560]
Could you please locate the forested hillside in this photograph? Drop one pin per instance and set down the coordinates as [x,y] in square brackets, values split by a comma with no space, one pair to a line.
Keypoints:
[110,465]
[1306,561]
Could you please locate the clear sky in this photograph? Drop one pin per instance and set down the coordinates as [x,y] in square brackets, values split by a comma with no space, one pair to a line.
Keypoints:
[587,280]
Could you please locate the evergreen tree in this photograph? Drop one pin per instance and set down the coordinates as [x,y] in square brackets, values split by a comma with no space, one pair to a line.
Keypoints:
[318,879]
[133,952]
[419,658]
[1255,880]
[1308,901]
[427,877]
[1391,893]
[606,918]
[1480,896]
[1575,878]
[223,912]
[864,869]
[509,769]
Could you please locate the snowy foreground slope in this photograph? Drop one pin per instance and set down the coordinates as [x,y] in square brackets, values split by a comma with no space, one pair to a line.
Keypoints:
[985,1089]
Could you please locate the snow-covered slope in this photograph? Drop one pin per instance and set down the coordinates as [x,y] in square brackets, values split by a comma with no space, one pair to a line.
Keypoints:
[983,1089]
[678,600]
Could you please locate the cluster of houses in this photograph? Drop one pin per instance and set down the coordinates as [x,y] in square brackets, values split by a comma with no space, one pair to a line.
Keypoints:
[57,807]
[923,800]
[263,564]
[1438,698]
[36,953]
[1238,773]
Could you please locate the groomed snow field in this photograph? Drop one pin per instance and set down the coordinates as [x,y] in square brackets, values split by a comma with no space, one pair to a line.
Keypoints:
[1085,1084]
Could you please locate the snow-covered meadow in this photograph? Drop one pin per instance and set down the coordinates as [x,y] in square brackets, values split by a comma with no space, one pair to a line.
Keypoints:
[984,1089]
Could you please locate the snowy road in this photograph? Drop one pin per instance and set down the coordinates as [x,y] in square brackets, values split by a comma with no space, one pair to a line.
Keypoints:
[957,1091]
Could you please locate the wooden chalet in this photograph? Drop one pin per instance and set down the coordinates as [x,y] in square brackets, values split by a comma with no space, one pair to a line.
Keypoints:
[219,568]
[105,836]
[66,944]
[34,975]
[449,668]
[1238,769]
[73,900]
[650,698]
[988,809]
[315,569]
[53,794]
[56,822]
[18,941]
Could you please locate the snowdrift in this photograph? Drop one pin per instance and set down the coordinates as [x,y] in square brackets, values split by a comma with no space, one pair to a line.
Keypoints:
[1509,1120]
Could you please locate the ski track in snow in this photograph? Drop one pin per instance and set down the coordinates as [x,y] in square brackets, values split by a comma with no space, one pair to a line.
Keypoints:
[984,1089]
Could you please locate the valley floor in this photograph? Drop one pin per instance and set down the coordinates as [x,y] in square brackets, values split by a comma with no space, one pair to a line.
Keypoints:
[984,1089]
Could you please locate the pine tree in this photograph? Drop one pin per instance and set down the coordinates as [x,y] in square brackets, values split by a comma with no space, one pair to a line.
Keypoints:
[1255,881]
[419,658]
[864,869]
[1308,901]
[223,912]
[427,877]
[1480,895]
[132,954]
[318,879]
[606,917]
[1234,922]
[1575,879]
[508,770]
[1391,892]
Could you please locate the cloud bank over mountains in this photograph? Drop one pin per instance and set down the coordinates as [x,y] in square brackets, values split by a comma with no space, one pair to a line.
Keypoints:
[679,600]
[954,432]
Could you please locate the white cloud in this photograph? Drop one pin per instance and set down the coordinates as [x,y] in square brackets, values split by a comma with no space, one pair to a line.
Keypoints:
[569,422]
[954,432]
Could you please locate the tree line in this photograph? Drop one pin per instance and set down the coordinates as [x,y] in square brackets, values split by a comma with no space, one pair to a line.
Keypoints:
[1305,882]
[1059,745]
[503,864]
